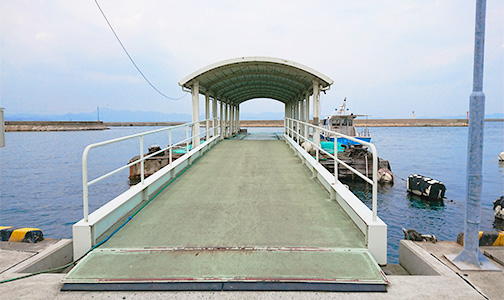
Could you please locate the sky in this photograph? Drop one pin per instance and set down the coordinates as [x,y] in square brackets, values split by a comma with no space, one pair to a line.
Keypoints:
[388,57]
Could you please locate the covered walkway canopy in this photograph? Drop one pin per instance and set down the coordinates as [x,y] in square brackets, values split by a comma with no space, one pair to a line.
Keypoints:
[234,81]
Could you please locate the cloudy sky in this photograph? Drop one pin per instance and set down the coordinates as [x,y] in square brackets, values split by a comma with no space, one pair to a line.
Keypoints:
[388,57]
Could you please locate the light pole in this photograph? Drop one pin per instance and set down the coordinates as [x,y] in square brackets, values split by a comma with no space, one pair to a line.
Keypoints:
[471,258]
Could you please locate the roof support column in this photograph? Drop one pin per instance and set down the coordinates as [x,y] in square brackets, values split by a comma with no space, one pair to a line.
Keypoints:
[195,115]
[238,117]
[235,110]
[227,121]
[316,112]
[307,114]
[214,116]
[221,121]
[231,119]
[302,108]
[207,115]
[296,116]
[291,115]
[286,115]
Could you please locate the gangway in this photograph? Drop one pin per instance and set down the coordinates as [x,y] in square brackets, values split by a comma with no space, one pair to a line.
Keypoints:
[241,215]
[232,213]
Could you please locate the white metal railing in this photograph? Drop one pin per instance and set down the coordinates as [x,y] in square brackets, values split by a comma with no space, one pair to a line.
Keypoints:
[300,134]
[207,132]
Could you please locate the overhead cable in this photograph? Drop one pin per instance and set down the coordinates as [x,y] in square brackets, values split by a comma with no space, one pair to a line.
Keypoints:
[131,59]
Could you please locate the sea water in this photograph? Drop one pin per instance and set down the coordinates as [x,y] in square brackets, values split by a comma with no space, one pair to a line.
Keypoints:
[41,177]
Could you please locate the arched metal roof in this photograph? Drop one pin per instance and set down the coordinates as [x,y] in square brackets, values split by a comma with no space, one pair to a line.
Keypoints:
[241,79]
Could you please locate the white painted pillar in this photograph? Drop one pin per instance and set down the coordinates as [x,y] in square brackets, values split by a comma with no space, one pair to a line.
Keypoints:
[296,110]
[207,115]
[233,113]
[224,120]
[316,112]
[221,122]
[238,117]
[195,114]
[307,113]
[296,115]
[214,115]
[227,119]
[231,120]
[302,115]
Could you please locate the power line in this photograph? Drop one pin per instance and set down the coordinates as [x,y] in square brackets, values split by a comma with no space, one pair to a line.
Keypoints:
[131,59]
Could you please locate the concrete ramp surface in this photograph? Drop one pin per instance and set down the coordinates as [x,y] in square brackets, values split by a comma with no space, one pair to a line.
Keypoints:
[246,216]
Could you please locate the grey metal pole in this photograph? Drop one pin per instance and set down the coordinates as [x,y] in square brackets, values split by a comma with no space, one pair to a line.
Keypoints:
[471,257]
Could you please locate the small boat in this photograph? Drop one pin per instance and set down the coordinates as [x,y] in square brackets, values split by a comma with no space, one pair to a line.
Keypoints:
[342,121]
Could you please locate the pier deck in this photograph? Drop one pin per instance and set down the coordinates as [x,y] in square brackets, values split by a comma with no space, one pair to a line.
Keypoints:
[245,215]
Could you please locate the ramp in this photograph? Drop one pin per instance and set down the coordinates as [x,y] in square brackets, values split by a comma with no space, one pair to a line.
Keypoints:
[246,216]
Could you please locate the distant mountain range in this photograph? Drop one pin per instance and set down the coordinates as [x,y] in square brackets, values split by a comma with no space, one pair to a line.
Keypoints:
[110,115]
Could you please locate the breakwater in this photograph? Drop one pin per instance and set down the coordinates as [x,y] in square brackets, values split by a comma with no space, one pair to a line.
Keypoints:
[53,125]
[99,125]
[411,122]
[374,123]
[122,124]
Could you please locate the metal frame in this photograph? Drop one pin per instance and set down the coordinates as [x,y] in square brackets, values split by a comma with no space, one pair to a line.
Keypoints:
[227,286]
[86,183]
[298,136]
[374,229]
[87,231]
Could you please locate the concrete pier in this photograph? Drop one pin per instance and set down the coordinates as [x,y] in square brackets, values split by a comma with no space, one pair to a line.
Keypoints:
[433,277]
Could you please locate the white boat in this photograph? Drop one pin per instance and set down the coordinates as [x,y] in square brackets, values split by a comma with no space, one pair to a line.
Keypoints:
[342,120]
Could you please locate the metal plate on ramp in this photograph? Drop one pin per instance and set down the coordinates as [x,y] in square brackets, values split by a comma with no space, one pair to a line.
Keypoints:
[315,269]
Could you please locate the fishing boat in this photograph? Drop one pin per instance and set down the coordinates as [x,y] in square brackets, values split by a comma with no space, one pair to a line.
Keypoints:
[342,120]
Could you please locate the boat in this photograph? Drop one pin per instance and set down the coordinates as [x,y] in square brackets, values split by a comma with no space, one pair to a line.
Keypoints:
[341,120]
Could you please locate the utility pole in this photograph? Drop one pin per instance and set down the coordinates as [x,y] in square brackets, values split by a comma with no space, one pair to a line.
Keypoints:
[471,258]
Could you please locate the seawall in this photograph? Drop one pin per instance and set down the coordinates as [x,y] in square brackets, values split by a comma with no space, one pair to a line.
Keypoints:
[374,123]
[121,124]
[99,125]
[53,126]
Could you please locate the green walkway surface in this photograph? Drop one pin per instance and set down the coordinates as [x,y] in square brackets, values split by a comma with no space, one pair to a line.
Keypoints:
[246,211]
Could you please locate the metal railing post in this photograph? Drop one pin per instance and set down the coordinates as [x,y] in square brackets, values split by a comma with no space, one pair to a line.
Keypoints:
[335,159]
[297,131]
[187,139]
[142,171]
[375,182]
[170,144]
[207,129]
[85,196]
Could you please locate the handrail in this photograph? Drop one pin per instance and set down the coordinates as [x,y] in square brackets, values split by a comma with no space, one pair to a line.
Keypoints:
[207,130]
[289,130]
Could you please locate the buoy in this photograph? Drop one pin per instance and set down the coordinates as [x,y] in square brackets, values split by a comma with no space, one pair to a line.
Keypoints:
[501,156]
[486,238]
[385,175]
[429,188]
[25,235]
[498,207]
